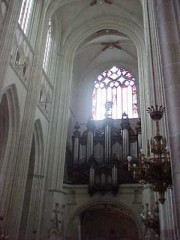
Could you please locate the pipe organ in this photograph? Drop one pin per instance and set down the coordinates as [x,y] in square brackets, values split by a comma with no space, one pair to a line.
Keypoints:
[100,151]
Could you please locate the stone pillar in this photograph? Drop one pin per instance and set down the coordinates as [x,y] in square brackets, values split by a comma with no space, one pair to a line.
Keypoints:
[54,151]
[21,157]
[167,17]
[34,215]
[157,88]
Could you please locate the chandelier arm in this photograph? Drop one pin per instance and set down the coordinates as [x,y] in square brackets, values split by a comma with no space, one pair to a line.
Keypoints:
[155,168]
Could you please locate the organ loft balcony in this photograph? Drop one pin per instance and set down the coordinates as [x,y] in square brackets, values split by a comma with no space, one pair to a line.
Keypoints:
[99,153]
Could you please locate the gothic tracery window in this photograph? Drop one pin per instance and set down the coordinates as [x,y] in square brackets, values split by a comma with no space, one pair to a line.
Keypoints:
[25,14]
[115,85]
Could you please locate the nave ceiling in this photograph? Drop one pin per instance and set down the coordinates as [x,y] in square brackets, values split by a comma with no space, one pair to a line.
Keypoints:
[102,48]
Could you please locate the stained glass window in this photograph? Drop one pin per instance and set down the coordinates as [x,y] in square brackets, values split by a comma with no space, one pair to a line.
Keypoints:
[25,14]
[115,85]
[47,48]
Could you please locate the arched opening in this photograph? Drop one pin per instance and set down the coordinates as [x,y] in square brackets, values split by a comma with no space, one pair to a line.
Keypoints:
[32,198]
[28,189]
[104,221]
[4,126]
[9,126]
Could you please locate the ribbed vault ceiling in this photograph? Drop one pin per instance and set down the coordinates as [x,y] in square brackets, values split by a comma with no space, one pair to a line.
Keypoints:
[105,47]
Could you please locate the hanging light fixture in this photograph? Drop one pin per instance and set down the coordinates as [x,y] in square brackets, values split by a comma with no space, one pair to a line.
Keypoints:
[151,218]
[155,168]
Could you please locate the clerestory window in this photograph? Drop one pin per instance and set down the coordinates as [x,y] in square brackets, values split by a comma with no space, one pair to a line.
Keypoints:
[25,14]
[47,48]
[116,85]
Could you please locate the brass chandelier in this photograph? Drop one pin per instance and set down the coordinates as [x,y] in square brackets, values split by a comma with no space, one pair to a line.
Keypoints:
[155,168]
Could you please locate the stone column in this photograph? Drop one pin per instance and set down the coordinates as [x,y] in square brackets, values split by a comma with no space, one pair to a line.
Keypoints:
[33,223]
[167,17]
[21,157]
[54,174]
[156,84]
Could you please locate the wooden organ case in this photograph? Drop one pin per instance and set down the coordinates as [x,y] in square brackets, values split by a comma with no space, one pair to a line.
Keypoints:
[99,154]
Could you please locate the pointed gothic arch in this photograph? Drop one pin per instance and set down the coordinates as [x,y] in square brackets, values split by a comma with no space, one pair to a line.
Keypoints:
[74,219]
[9,111]
[30,220]
[4,126]
[9,107]
[39,140]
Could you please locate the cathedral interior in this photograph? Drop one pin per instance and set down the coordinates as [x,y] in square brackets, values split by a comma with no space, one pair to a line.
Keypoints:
[89,119]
